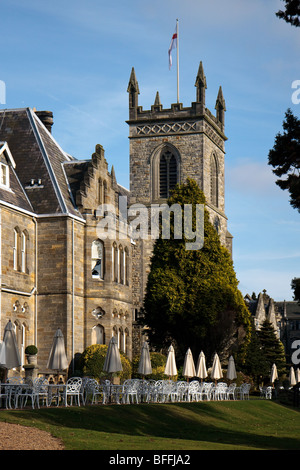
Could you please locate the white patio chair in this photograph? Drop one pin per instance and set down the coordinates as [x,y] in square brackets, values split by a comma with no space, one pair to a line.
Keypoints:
[130,392]
[41,391]
[220,391]
[4,394]
[182,390]
[194,391]
[231,392]
[73,389]
[158,391]
[244,390]
[207,390]
[93,390]
[106,386]
[24,391]
[167,391]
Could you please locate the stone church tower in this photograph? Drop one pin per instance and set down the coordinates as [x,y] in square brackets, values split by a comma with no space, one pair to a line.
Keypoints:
[167,146]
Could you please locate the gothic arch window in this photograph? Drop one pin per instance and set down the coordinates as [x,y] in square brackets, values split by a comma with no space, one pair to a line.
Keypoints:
[126,267]
[126,341]
[105,192]
[115,258]
[100,191]
[214,189]
[121,265]
[97,259]
[24,244]
[97,335]
[16,248]
[217,224]
[165,171]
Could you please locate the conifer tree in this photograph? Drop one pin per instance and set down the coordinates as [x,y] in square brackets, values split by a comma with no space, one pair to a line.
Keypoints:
[255,364]
[272,347]
[192,296]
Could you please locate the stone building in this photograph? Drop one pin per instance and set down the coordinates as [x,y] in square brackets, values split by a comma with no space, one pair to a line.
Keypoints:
[283,315]
[167,146]
[56,270]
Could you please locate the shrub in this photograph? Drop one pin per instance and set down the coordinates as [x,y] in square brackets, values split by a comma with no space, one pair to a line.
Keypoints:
[92,362]
[31,350]
[158,363]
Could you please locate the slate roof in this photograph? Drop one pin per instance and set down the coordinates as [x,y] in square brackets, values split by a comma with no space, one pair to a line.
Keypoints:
[290,308]
[40,182]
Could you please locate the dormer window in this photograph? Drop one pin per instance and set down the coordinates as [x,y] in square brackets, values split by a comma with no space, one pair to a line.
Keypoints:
[4,175]
[6,160]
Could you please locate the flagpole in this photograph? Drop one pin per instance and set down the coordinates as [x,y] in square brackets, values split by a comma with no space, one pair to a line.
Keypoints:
[177,61]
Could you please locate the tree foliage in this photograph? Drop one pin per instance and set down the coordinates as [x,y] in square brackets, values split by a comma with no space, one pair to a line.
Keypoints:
[295,285]
[285,158]
[92,362]
[291,14]
[272,347]
[255,364]
[192,296]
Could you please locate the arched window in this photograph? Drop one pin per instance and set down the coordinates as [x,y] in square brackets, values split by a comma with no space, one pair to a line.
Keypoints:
[214,190]
[115,257]
[100,191]
[16,248]
[121,265]
[167,173]
[165,163]
[97,336]
[126,267]
[97,259]
[24,243]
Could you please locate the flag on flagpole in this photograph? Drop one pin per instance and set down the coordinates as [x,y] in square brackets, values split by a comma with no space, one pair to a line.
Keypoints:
[172,46]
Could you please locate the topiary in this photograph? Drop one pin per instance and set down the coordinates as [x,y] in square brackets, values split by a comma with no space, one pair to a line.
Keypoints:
[31,350]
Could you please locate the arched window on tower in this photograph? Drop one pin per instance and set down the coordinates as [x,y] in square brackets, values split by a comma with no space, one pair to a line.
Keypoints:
[214,190]
[168,173]
[97,259]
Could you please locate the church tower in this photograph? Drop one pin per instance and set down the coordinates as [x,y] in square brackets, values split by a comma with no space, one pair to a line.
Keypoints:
[167,146]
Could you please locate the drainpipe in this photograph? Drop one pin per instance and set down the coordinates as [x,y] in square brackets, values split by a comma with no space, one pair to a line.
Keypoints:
[36,281]
[0,269]
[73,293]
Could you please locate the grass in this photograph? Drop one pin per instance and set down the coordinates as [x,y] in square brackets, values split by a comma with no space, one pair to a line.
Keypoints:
[240,425]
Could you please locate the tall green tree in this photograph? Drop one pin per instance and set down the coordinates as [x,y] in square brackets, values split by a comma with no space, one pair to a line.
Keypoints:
[295,285]
[272,347]
[192,296]
[285,158]
[291,14]
[255,364]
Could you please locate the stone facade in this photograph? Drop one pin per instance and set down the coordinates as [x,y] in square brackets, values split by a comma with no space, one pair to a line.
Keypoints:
[283,315]
[57,270]
[194,138]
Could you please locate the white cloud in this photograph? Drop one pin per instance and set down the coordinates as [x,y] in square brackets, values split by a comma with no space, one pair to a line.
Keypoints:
[251,177]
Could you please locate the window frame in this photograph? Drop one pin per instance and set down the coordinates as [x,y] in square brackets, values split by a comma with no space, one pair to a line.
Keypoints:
[95,259]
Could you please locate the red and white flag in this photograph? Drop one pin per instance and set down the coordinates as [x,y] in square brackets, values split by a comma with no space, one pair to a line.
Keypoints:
[172,46]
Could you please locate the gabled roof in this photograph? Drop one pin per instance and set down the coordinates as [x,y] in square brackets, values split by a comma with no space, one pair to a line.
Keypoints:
[14,194]
[38,158]
[4,150]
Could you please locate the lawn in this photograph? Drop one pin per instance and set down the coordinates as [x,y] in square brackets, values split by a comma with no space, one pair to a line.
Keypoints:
[237,425]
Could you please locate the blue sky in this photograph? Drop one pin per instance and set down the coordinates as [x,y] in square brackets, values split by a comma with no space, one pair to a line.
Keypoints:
[74,58]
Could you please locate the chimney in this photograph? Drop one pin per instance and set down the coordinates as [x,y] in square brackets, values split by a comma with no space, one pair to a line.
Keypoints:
[46,117]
